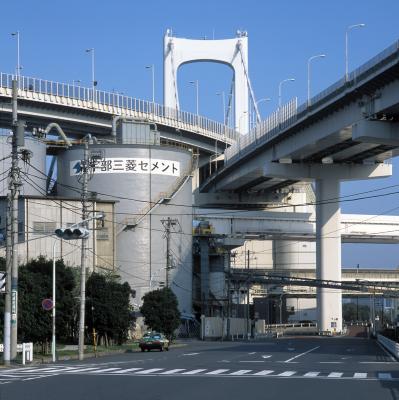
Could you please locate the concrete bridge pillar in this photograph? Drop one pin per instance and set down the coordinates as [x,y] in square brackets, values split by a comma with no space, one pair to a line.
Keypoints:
[328,230]
[328,253]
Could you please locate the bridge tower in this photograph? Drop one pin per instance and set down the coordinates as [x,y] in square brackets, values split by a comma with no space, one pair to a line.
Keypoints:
[231,52]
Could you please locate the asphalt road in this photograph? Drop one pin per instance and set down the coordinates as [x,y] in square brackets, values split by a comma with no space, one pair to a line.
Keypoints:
[284,368]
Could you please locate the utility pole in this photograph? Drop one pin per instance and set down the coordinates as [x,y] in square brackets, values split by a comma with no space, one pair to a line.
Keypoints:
[168,223]
[11,312]
[85,170]
[248,329]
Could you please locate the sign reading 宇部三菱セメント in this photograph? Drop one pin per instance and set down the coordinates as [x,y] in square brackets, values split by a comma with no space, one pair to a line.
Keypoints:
[128,166]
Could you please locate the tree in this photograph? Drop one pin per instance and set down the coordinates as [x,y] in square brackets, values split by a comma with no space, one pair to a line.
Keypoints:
[160,311]
[35,285]
[108,309]
[354,312]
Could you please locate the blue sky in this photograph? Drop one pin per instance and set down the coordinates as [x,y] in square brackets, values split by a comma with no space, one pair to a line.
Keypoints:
[128,35]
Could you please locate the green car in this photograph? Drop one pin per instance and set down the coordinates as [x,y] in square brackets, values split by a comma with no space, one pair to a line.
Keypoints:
[154,340]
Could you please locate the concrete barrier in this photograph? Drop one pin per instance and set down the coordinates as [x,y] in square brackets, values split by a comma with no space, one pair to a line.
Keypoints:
[390,345]
[216,328]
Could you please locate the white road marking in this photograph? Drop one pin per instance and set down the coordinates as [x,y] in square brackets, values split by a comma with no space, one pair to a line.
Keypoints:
[335,374]
[264,372]
[287,373]
[266,356]
[241,372]
[254,352]
[82,369]
[173,371]
[217,371]
[311,374]
[360,375]
[150,371]
[21,369]
[378,362]
[39,370]
[193,372]
[125,371]
[291,349]
[331,362]
[302,354]
[190,354]
[384,376]
[35,377]
[253,361]
[100,371]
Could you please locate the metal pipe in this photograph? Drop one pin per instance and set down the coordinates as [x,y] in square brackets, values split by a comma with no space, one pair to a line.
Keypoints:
[60,132]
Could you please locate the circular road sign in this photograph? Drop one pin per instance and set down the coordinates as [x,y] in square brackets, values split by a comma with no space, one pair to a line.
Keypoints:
[47,304]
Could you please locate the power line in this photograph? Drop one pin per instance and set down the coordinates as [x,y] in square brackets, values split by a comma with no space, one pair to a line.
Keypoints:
[341,199]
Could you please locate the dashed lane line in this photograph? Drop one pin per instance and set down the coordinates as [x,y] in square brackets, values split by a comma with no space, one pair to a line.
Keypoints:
[264,372]
[217,372]
[335,375]
[287,373]
[360,375]
[125,371]
[241,372]
[193,372]
[173,371]
[101,371]
[149,371]
[311,374]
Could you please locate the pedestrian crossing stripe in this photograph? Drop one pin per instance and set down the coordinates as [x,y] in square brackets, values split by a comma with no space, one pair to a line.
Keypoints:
[30,374]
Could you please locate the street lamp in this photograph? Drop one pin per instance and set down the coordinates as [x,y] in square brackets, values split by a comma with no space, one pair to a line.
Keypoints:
[279,89]
[346,48]
[309,61]
[152,68]
[256,103]
[196,90]
[93,81]
[18,69]
[223,105]
[53,315]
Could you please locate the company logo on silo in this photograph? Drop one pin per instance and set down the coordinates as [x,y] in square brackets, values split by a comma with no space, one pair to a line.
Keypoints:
[128,166]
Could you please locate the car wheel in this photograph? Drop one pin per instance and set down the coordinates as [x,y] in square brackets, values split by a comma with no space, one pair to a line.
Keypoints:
[167,348]
[148,350]
[142,349]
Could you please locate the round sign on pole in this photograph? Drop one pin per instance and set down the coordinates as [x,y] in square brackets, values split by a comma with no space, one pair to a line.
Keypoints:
[47,304]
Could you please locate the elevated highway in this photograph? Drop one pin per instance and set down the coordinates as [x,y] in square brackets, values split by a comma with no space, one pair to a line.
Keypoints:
[347,132]
[80,110]
[268,225]
[354,121]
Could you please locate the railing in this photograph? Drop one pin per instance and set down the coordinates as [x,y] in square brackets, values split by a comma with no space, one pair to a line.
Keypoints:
[264,131]
[289,114]
[116,103]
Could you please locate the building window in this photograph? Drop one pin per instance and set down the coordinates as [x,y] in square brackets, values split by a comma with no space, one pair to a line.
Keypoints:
[44,228]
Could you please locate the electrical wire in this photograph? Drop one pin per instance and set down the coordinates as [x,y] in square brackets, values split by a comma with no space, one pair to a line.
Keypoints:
[340,199]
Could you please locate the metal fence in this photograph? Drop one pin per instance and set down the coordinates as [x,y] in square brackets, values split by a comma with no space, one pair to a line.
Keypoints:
[268,128]
[116,103]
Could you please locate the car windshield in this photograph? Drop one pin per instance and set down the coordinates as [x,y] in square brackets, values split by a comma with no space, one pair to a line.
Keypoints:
[156,336]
